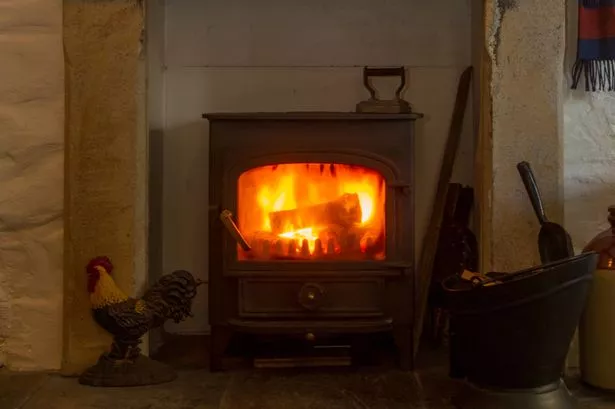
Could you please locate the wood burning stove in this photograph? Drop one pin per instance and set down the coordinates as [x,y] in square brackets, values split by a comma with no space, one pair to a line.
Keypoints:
[311,226]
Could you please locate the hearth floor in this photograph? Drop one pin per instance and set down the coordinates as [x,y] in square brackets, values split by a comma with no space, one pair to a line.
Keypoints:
[253,389]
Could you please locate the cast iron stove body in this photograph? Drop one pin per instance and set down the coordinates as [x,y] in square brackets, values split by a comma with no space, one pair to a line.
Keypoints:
[326,203]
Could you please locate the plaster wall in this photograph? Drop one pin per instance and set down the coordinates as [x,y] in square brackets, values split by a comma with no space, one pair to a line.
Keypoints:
[271,55]
[526,45]
[32,180]
[106,160]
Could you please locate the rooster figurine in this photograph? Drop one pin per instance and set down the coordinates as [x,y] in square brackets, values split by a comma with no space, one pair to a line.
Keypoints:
[128,319]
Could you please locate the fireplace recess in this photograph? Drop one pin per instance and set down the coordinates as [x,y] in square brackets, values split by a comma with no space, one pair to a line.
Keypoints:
[311,227]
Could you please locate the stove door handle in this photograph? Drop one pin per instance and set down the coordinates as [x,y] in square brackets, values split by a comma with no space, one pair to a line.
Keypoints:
[400,186]
[227,220]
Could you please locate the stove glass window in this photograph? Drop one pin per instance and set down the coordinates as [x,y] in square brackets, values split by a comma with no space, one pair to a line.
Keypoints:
[312,211]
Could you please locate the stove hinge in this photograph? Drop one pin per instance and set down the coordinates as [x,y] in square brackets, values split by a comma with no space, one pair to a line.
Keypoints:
[400,186]
[404,267]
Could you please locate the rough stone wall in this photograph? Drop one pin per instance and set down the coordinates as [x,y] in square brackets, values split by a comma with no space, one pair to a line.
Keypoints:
[106,160]
[526,45]
[32,180]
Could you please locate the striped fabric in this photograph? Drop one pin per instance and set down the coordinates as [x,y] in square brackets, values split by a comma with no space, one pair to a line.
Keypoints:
[596,47]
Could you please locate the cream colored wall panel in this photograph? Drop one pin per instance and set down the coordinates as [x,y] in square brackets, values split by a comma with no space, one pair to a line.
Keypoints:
[317,32]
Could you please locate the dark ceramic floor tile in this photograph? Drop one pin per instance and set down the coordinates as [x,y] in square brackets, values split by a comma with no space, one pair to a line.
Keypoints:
[588,396]
[597,405]
[330,389]
[192,390]
[596,401]
[185,352]
[16,389]
[435,384]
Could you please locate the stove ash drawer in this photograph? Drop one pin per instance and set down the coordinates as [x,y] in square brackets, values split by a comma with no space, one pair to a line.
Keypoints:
[268,298]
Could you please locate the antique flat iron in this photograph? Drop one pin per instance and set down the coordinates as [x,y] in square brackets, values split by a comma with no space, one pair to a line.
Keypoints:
[377,106]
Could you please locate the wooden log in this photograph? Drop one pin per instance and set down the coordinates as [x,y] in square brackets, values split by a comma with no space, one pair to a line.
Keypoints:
[330,247]
[318,250]
[292,248]
[305,248]
[279,248]
[343,211]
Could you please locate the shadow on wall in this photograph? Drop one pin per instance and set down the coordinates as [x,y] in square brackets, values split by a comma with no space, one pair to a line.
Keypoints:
[155,233]
[155,191]
[184,218]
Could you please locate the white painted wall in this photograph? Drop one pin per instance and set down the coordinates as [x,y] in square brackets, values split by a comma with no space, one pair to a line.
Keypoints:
[32,180]
[279,55]
[589,129]
[589,157]
[589,153]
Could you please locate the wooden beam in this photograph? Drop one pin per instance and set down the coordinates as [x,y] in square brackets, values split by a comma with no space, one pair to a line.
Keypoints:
[432,235]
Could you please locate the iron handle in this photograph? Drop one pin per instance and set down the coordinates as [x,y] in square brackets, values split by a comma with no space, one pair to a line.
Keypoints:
[227,220]
[311,296]
[384,72]
[401,186]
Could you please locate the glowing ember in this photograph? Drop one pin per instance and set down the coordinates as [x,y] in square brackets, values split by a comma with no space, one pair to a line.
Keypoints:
[312,210]
[300,235]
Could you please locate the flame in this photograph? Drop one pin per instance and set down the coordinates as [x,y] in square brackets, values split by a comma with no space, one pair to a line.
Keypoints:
[269,189]
[300,235]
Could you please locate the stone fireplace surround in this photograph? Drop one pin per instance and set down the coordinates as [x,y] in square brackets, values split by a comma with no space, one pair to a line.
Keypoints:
[74,157]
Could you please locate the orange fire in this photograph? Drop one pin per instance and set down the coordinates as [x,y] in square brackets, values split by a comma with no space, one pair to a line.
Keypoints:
[315,210]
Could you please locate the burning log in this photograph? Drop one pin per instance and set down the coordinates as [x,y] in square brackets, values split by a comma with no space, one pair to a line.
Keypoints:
[292,248]
[305,249]
[330,247]
[279,247]
[343,211]
[318,250]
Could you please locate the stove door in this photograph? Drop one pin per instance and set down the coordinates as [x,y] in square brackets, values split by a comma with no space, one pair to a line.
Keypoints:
[335,209]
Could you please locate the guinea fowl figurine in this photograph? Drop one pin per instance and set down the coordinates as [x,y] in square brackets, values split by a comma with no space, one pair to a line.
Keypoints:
[128,319]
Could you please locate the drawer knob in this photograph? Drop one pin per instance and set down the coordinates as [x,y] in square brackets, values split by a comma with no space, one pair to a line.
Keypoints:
[311,296]
[310,337]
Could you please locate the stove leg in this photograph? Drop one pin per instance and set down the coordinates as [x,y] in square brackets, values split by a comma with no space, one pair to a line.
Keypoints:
[360,350]
[220,338]
[403,340]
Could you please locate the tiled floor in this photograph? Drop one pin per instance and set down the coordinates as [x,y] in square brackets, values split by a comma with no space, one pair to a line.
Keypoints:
[305,389]
[428,387]
[590,398]
[330,389]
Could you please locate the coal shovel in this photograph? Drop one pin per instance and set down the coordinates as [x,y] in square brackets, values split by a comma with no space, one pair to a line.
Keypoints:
[554,242]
